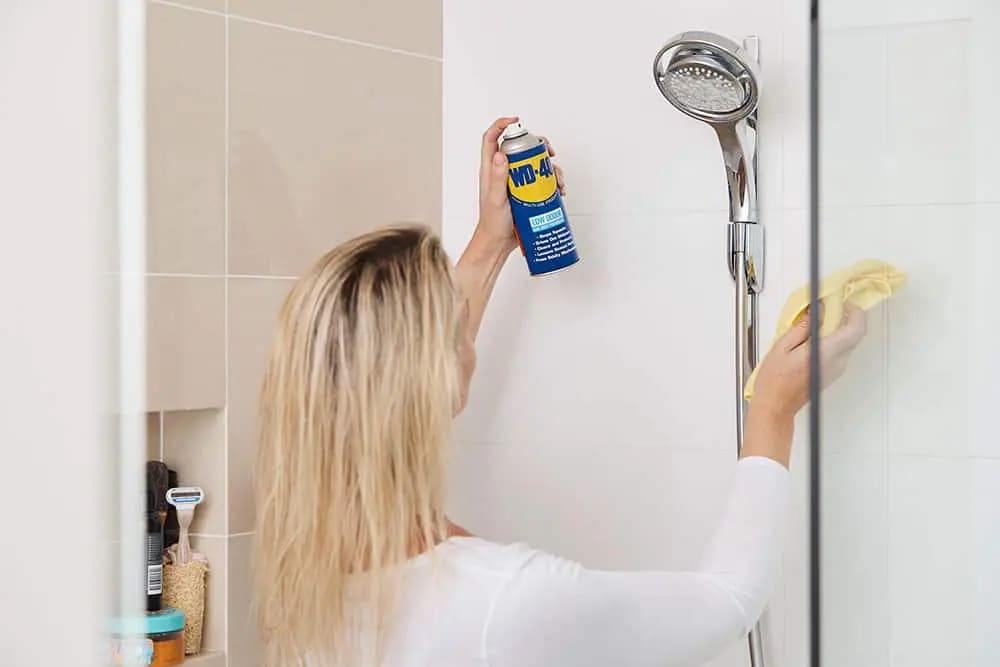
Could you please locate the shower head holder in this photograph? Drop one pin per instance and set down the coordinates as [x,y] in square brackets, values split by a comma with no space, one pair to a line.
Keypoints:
[715,80]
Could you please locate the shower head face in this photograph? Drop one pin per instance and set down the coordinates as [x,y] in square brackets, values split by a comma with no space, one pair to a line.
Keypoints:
[694,82]
[708,77]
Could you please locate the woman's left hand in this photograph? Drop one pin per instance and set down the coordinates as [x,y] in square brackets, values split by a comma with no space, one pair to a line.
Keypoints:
[496,222]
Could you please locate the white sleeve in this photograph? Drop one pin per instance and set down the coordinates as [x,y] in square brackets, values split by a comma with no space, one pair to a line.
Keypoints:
[554,612]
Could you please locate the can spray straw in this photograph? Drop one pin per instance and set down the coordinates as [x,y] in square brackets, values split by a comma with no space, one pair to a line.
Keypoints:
[539,216]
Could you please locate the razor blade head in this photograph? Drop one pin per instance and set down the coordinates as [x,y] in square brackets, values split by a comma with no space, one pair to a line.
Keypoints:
[185,496]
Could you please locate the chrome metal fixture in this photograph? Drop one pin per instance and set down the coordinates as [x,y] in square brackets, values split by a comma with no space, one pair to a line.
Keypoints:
[715,80]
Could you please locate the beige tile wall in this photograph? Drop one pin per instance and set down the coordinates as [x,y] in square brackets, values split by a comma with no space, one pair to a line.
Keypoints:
[186,120]
[409,25]
[276,129]
[307,169]
[185,342]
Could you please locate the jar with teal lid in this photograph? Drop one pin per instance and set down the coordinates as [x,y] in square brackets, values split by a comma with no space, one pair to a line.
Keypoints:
[153,640]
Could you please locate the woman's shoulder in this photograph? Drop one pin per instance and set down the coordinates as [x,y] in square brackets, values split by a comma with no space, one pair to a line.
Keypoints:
[485,556]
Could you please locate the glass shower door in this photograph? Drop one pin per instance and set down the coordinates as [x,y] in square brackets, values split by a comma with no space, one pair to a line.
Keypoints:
[908,159]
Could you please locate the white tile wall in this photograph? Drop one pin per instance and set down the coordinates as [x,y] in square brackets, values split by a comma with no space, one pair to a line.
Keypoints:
[621,325]
[855,555]
[620,506]
[931,556]
[982,358]
[986,555]
[854,120]
[601,417]
[985,98]
[929,133]
[910,543]
[600,421]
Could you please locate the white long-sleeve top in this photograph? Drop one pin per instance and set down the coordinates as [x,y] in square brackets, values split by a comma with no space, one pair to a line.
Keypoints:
[470,602]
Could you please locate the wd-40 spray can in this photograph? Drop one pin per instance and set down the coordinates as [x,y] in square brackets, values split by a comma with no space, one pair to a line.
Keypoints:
[539,216]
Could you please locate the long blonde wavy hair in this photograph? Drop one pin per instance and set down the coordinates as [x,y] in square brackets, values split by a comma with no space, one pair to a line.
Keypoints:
[356,410]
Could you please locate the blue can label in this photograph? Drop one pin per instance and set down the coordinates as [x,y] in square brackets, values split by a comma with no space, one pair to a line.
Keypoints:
[539,216]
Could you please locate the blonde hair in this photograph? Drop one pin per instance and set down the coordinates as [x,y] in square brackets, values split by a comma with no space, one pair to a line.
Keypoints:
[356,409]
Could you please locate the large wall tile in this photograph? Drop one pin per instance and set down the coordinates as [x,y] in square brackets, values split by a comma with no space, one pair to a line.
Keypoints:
[327,140]
[414,25]
[185,112]
[253,314]
[244,639]
[852,14]
[984,61]
[630,345]
[854,166]
[931,561]
[917,350]
[578,504]
[930,133]
[867,13]
[927,11]
[983,358]
[583,503]
[855,545]
[185,343]
[930,325]
[194,444]
[986,547]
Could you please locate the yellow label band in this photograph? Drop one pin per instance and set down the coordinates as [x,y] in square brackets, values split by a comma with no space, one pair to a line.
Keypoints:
[532,180]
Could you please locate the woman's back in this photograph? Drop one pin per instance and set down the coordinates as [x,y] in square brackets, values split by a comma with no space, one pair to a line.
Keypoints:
[469,602]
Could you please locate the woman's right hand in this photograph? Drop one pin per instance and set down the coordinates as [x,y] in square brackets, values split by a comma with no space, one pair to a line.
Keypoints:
[782,386]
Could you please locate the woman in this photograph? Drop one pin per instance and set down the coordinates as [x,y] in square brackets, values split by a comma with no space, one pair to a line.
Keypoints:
[356,562]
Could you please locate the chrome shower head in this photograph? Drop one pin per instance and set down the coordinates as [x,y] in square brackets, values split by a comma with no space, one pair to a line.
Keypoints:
[708,77]
[715,80]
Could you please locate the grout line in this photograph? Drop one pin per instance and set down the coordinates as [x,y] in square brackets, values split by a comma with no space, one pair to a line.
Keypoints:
[253,277]
[887,84]
[335,38]
[932,204]
[220,275]
[943,457]
[225,326]
[897,24]
[303,31]
[886,418]
[181,5]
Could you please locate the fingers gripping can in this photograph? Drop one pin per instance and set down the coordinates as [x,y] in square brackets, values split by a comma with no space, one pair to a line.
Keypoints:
[539,216]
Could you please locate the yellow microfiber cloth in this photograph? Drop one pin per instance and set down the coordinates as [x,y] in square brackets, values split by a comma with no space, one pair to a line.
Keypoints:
[865,284]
